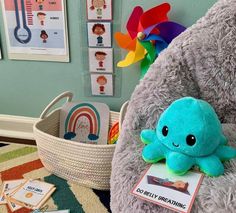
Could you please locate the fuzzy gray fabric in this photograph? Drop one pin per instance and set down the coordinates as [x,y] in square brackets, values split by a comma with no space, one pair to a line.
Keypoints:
[201,62]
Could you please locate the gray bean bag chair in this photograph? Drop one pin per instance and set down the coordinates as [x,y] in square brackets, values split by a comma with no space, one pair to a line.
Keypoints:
[201,62]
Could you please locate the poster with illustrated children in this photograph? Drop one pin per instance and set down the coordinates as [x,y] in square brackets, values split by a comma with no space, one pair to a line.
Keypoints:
[36,29]
[99,34]
[102,84]
[99,9]
[101,60]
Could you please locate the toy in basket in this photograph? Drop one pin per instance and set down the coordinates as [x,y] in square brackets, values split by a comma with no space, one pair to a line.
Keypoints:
[85,122]
[82,163]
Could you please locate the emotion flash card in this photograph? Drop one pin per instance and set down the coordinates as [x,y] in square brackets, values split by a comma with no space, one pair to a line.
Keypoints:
[99,34]
[99,10]
[101,60]
[102,84]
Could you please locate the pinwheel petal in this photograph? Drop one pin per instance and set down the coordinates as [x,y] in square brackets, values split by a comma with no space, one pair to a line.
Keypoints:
[133,56]
[169,30]
[148,46]
[133,22]
[124,41]
[153,16]
[151,30]
[149,57]
[160,43]
[145,64]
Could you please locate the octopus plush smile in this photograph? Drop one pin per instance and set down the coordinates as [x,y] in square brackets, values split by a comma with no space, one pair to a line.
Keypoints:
[188,134]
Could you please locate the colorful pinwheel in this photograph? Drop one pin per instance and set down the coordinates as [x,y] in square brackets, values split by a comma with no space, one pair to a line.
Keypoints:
[148,34]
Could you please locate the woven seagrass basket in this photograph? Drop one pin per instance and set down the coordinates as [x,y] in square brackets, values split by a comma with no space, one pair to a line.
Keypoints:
[85,164]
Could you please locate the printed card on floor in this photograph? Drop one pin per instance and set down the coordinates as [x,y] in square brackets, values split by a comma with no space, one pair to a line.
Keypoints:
[13,206]
[168,190]
[56,211]
[99,9]
[101,60]
[9,185]
[32,194]
[102,84]
[99,34]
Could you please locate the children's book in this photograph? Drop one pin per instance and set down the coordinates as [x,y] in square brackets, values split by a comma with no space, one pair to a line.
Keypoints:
[85,122]
[32,194]
[168,190]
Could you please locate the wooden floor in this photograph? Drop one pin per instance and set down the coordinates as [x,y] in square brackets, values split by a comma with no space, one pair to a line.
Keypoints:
[16,140]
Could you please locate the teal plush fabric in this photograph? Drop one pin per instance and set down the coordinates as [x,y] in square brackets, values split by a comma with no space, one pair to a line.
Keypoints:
[188,133]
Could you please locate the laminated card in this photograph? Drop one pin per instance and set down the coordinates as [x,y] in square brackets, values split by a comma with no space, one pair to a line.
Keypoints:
[168,190]
[32,194]
[85,122]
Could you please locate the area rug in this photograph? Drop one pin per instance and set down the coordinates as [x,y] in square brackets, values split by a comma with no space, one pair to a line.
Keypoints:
[21,161]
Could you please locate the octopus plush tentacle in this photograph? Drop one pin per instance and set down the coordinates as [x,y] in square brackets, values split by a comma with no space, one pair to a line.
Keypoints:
[179,163]
[211,165]
[225,153]
[152,153]
[223,140]
[148,136]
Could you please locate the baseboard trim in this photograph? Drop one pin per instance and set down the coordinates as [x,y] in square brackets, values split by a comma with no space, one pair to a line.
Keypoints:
[17,127]
[17,140]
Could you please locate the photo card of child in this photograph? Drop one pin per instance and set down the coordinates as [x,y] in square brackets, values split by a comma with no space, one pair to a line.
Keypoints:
[102,84]
[101,60]
[99,10]
[99,34]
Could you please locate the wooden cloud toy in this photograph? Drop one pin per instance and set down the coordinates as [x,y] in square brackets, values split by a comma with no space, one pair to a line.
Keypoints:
[148,33]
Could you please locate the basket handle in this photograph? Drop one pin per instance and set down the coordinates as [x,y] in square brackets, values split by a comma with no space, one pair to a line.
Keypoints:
[67,94]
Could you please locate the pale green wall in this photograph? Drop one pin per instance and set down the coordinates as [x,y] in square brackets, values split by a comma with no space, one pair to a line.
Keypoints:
[26,87]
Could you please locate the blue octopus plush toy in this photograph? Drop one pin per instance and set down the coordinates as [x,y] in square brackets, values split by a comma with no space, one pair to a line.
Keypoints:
[188,134]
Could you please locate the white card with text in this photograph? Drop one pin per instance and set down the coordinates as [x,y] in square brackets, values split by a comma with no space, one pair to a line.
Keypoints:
[56,211]
[8,185]
[168,190]
[102,84]
[101,60]
[32,193]
[99,34]
[99,10]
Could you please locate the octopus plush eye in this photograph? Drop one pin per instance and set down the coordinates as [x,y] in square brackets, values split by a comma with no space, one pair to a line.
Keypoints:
[165,131]
[191,140]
